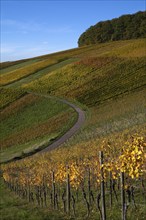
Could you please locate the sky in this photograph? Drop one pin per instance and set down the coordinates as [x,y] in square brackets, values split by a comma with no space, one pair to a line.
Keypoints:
[35,27]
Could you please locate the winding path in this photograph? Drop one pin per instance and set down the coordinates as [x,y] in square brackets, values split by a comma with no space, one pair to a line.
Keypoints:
[71,131]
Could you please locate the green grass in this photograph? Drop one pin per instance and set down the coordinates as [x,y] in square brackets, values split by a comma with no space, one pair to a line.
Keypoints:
[17,66]
[8,95]
[41,73]
[31,122]
[14,208]
[27,149]
[11,63]
[33,114]
[20,73]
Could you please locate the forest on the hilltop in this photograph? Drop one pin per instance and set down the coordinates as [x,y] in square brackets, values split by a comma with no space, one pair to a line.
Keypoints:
[123,28]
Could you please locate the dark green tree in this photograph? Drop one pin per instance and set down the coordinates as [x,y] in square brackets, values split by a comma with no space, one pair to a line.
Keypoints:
[122,28]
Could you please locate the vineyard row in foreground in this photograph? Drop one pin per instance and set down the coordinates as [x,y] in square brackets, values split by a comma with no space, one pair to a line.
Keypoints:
[100,183]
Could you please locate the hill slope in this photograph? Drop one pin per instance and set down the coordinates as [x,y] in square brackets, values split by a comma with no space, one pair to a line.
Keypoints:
[95,76]
[108,82]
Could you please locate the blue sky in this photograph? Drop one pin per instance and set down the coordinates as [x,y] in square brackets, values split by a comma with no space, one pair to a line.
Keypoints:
[31,28]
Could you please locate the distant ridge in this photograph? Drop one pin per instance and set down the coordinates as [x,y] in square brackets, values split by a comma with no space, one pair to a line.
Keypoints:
[123,28]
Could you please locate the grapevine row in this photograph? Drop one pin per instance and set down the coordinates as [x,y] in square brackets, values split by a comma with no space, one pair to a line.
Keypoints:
[89,180]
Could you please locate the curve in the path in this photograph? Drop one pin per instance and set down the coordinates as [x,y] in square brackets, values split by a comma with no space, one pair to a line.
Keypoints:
[71,131]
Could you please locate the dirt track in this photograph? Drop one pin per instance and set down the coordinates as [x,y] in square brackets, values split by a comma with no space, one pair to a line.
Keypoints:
[71,131]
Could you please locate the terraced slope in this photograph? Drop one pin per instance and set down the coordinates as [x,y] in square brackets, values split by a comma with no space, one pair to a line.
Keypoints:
[106,80]
[98,77]
[41,73]
[7,96]
[91,76]
[32,122]
[108,76]
[22,72]
[17,66]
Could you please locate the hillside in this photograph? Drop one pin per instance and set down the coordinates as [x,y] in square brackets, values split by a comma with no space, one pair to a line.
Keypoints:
[108,82]
[126,27]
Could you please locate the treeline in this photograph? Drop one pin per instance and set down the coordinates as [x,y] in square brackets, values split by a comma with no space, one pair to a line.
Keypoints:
[123,28]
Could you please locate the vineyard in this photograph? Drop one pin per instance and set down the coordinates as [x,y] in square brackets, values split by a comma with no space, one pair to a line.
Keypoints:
[94,79]
[22,70]
[100,183]
[20,73]
[8,95]
[25,132]
[100,171]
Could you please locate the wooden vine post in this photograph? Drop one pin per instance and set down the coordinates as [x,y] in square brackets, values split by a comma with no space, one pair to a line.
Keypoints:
[89,186]
[68,194]
[111,189]
[102,185]
[123,196]
[53,189]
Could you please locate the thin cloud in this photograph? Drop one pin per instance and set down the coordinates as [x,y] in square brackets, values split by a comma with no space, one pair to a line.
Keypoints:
[23,48]
[60,30]
[26,27]
[14,52]
[22,52]
[7,50]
